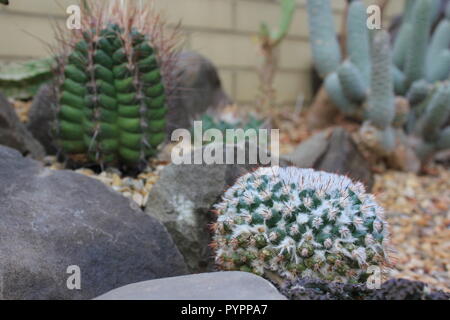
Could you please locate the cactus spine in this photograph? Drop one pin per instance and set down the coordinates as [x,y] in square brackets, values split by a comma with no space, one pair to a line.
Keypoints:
[113,97]
[292,222]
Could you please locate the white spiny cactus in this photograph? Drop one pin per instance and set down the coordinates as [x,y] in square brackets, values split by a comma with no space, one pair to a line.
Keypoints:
[300,222]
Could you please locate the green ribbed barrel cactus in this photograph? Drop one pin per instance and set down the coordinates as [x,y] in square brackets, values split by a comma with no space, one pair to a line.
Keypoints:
[113,97]
[289,222]
[402,95]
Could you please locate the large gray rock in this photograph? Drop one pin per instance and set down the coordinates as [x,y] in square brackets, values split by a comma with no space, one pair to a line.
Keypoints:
[50,220]
[182,200]
[41,117]
[199,90]
[14,134]
[333,151]
[204,286]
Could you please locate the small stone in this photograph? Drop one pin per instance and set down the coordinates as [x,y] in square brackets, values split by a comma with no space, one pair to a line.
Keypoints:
[116,181]
[127,194]
[86,172]
[138,198]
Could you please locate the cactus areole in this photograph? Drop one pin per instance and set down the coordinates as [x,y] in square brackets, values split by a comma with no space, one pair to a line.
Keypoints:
[300,223]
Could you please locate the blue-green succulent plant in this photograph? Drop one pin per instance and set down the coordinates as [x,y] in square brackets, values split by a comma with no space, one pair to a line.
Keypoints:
[402,94]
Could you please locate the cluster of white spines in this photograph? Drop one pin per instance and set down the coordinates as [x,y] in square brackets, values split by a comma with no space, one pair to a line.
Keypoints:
[299,222]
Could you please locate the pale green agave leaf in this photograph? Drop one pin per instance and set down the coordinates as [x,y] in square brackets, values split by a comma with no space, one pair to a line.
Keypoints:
[21,80]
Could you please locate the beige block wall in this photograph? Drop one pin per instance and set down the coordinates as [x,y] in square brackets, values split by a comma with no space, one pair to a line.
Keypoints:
[222,30]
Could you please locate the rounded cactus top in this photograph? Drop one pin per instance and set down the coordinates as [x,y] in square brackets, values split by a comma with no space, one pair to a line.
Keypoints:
[299,222]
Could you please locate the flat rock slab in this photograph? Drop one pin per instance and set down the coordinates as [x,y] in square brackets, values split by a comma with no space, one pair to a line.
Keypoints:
[50,220]
[230,285]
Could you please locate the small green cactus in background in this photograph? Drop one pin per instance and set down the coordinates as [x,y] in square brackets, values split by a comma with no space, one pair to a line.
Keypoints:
[113,88]
[5,2]
[274,37]
[365,85]
[224,123]
[269,39]
[284,223]
[209,122]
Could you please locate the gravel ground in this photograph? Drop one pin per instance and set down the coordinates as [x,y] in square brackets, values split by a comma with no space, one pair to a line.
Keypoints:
[418,211]
[135,188]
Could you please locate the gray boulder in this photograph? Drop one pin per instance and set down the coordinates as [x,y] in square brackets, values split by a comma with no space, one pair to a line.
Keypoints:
[199,90]
[14,134]
[182,200]
[50,220]
[41,117]
[204,286]
[333,151]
